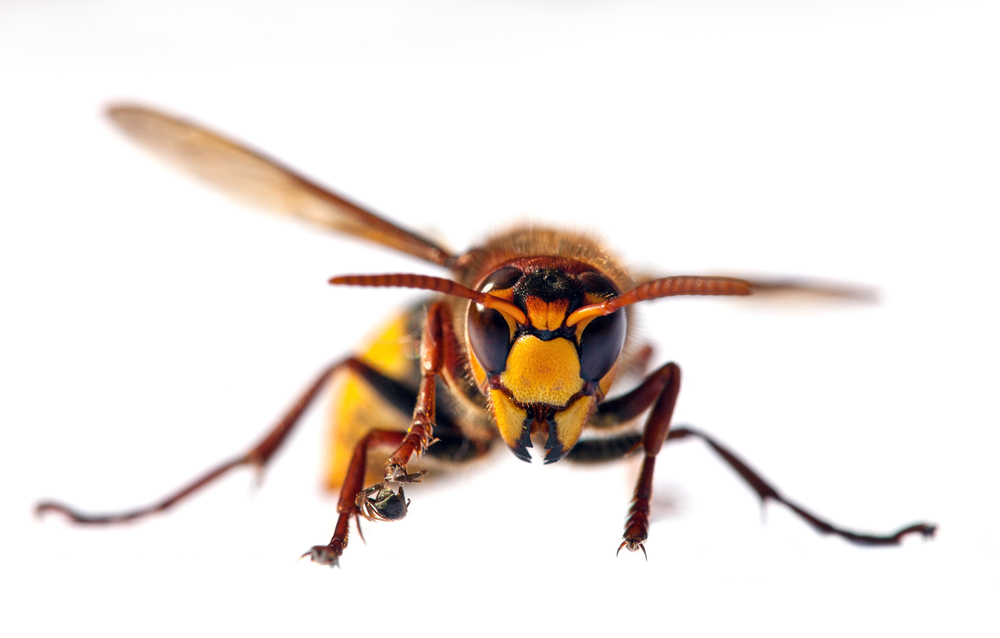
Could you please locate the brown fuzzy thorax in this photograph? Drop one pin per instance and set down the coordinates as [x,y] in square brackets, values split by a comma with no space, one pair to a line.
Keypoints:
[533,247]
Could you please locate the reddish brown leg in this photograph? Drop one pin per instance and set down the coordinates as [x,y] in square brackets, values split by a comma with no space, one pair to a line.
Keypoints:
[615,447]
[664,384]
[257,457]
[352,498]
[439,355]
[766,491]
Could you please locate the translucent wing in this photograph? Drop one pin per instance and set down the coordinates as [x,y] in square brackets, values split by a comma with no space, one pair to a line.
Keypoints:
[806,290]
[796,290]
[261,181]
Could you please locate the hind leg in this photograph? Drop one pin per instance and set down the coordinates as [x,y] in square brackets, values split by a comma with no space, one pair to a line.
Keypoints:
[257,457]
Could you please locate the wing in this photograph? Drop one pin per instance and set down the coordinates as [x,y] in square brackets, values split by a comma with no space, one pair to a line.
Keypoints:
[261,181]
[806,290]
[795,290]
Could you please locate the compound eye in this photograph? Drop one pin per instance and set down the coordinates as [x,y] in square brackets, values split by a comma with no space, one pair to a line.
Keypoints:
[502,279]
[489,335]
[598,284]
[600,345]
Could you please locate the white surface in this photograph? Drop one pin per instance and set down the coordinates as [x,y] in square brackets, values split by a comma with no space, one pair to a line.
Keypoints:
[151,328]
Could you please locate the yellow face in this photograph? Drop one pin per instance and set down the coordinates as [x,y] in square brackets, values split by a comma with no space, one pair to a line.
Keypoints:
[542,377]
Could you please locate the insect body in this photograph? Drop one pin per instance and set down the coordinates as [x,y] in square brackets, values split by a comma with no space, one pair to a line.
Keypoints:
[521,345]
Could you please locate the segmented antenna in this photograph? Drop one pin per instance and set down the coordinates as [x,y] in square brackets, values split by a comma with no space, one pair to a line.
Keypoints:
[665,287]
[437,284]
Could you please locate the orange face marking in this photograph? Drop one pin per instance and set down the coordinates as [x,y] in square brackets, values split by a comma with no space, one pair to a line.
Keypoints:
[546,315]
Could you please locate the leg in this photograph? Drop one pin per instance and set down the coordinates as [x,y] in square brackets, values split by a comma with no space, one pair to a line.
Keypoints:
[615,447]
[668,380]
[352,498]
[257,457]
[662,387]
[606,449]
[439,355]
[766,491]
[379,502]
[660,390]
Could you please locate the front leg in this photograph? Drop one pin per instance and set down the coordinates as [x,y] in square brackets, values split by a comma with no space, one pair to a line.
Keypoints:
[419,436]
[659,390]
[378,502]
[439,355]
[353,500]
[663,386]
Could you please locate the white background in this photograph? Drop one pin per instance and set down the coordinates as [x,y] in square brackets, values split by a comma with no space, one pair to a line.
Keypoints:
[150,328]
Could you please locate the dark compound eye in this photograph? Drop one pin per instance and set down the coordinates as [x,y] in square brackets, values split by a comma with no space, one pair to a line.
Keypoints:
[502,279]
[600,345]
[489,335]
[598,284]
